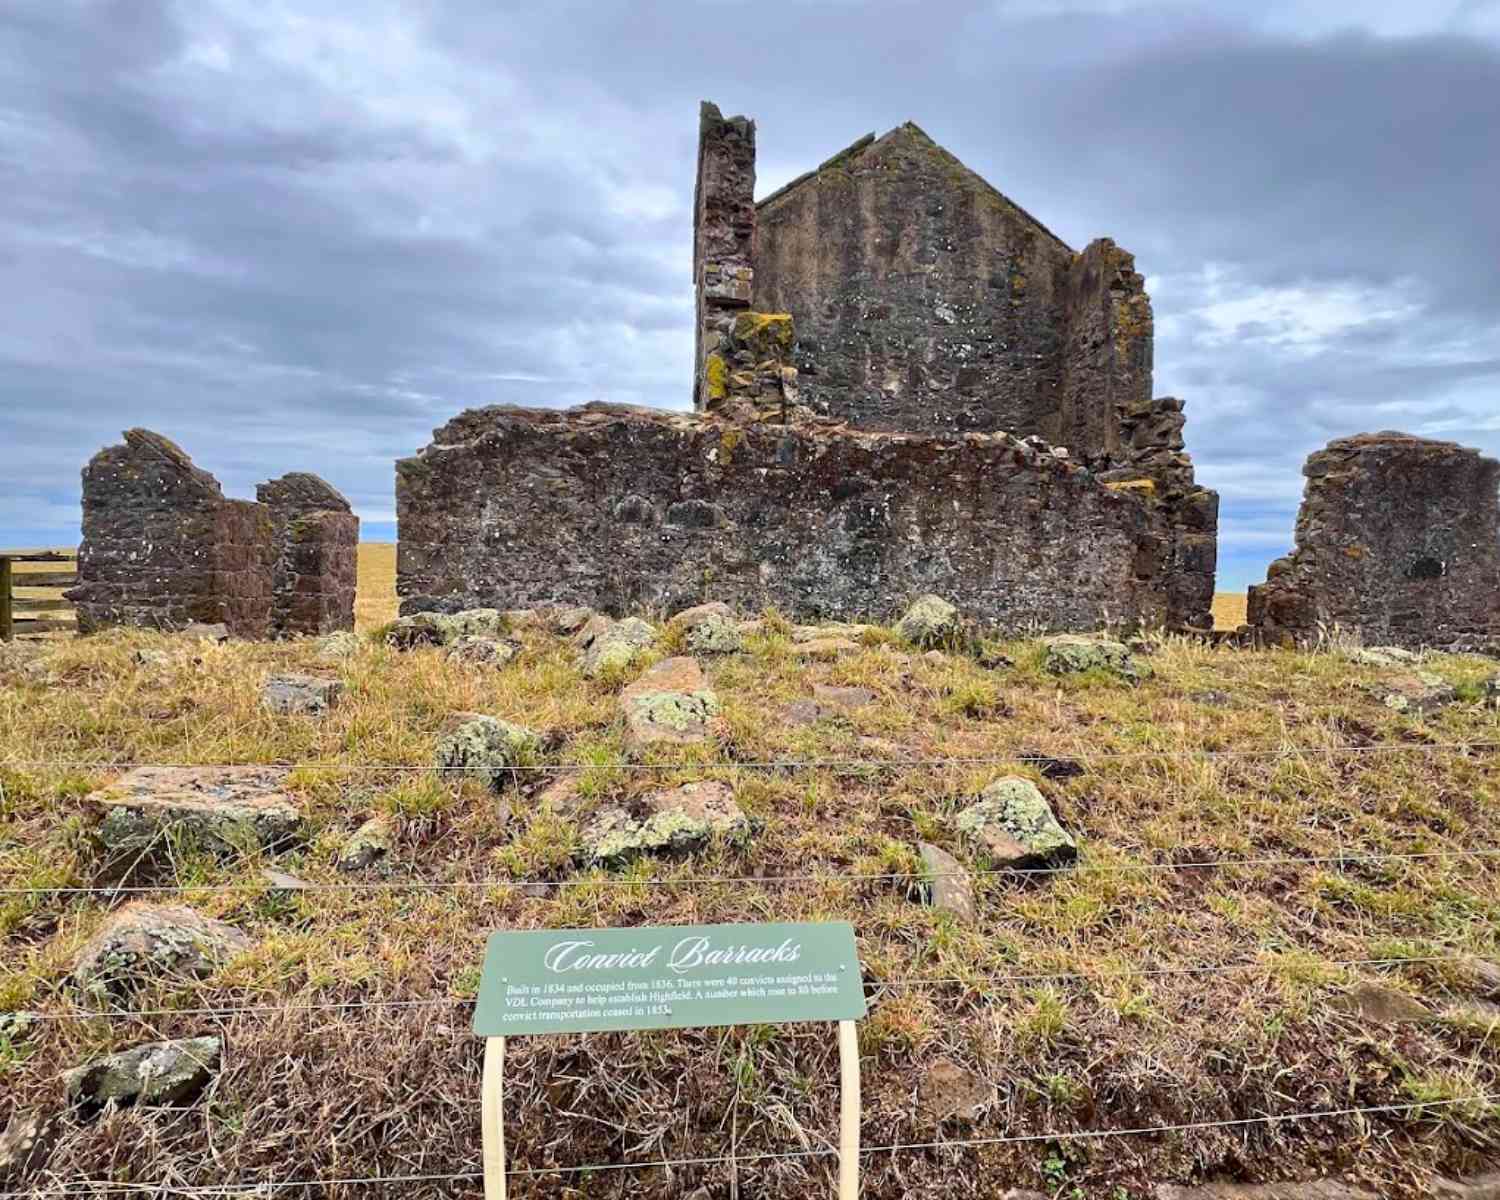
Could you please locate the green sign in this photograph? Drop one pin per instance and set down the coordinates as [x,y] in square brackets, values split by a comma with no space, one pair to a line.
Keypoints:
[592,980]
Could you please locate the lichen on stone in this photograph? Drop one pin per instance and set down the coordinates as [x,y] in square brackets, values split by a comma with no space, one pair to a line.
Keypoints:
[487,748]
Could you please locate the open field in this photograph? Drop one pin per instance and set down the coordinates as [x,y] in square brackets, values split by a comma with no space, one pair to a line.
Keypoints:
[1258,834]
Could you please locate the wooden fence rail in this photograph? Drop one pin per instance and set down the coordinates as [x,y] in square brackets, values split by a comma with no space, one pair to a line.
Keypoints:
[27,583]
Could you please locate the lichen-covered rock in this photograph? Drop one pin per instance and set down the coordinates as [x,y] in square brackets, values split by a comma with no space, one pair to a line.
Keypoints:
[22,662]
[930,622]
[157,1073]
[483,651]
[369,844]
[615,646]
[1385,656]
[206,631]
[152,941]
[849,631]
[716,635]
[682,819]
[947,885]
[1415,694]
[25,1144]
[690,618]
[1071,653]
[670,704]
[443,629]
[486,748]
[1014,825]
[222,809]
[569,620]
[825,648]
[1492,691]
[301,695]
[15,1025]
[339,645]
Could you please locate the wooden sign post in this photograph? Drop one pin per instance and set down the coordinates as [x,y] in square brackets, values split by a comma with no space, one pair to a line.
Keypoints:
[598,980]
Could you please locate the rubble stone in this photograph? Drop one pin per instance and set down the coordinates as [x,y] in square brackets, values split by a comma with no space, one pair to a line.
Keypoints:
[949,887]
[681,819]
[144,940]
[301,695]
[486,748]
[222,809]
[670,704]
[157,1073]
[1015,827]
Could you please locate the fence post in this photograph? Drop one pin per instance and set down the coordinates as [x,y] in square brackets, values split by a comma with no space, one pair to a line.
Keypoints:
[7,630]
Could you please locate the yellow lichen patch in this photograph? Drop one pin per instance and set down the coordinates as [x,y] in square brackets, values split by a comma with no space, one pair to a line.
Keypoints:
[728,440]
[768,333]
[715,377]
[1141,487]
[1355,551]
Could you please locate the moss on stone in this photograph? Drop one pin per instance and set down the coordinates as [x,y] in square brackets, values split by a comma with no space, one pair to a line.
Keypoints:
[715,377]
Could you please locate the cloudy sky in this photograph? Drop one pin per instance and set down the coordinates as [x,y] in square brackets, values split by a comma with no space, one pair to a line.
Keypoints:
[302,234]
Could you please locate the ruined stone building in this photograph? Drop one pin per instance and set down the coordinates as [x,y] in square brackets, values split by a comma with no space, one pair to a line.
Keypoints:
[163,548]
[903,383]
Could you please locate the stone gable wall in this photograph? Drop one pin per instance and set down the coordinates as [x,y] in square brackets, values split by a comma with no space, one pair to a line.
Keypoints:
[1397,540]
[316,536]
[631,509]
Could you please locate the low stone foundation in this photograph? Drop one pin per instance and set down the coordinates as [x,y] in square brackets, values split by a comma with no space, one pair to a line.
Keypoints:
[633,509]
[317,537]
[1398,541]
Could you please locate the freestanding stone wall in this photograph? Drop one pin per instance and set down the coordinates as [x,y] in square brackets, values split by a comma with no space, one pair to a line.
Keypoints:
[162,547]
[316,536]
[624,509]
[1398,540]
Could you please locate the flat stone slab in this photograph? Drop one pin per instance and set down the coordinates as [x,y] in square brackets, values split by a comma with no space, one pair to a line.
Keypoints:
[225,809]
[1414,694]
[482,651]
[157,1073]
[1072,653]
[1014,825]
[301,695]
[825,647]
[948,886]
[680,819]
[1381,1004]
[670,704]
[145,940]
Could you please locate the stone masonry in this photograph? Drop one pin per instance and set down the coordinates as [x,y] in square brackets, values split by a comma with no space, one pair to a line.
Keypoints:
[628,509]
[1398,540]
[316,535]
[162,548]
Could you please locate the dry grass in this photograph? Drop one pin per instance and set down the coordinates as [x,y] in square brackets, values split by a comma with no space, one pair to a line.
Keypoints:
[1229,610]
[376,595]
[1107,1045]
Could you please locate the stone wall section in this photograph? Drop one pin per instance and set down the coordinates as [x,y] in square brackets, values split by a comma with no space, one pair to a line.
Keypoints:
[631,509]
[316,536]
[1397,540]
[723,233]
[162,547]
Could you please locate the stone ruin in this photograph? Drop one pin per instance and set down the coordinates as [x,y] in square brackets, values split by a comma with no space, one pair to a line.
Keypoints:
[1397,541]
[903,383]
[163,548]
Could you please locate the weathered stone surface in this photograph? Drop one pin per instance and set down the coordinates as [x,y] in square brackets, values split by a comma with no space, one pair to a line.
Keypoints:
[682,819]
[1417,693]
[282,882]
[162,547]
[670,704]
[486,748]
[1014,825]
[368,845]
[1376,1002]
[825,648]
[1398,541]
[611,646]
[569,620]
[316,539]
[948,886]
[1385,656]
[16,1025]
[947,1092]
[819,522]
[930,621]
[444,628]
[25,1144]
[223,809]
[710,629]
[1069,654]
[337,646]
[843,699]
[22,662]
[723,233]
[482,651]
[205,632]
[145,940]
[169,1072]
[301,695]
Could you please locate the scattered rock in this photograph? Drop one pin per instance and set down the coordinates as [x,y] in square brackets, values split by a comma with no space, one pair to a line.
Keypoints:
[936,657]
[301,695]
[145,940]
[682,819]
[1385,656]
[931,622]
[1071,653]
[947,884]
[368,844]
[836,629]
[670,704]
[560,796]
[690,618]
[170,1072]
[442,629]
[486,748]
[568,621]
[614,646]
[217,632]
[26,1142]
[337,646]
[22,662]
[223,809]
[153,659]
[1415,694]
[947,1092]
[1013,823]
[1311,1189]
[717,635]
[1376,1002]
[824,647]
[991,659]
[482,651]
[844,699]
[803,712]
